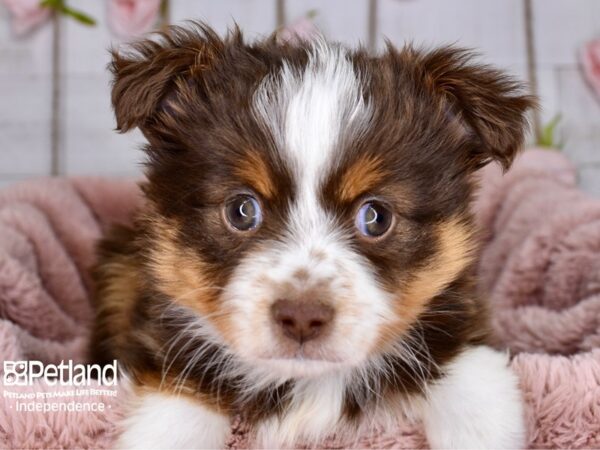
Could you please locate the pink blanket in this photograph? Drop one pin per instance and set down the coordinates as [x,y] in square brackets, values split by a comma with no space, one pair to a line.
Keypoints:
[540,264]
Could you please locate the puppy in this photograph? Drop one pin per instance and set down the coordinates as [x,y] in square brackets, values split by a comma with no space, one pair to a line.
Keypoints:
[306,252]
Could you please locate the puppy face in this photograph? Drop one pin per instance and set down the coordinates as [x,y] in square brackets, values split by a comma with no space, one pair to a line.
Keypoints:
[307,202]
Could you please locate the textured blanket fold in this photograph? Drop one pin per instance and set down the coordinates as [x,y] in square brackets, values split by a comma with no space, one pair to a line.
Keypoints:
[540,267]
[541,261]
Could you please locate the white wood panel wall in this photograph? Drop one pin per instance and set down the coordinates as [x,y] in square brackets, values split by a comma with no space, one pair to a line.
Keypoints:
[88,144]
[25,112]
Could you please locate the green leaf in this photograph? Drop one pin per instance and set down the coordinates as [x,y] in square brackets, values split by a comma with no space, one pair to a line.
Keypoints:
[312,13]
[164,8]
[548,137]
[79,16]
[61,7]
[54,4]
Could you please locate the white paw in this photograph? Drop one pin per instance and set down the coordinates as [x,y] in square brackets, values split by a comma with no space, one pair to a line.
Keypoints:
[163,421]
[477,405]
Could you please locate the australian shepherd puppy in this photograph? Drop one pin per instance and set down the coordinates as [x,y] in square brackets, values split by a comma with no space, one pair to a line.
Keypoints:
[305,255]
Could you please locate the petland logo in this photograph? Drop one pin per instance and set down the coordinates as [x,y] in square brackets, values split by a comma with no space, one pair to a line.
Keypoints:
[25,373]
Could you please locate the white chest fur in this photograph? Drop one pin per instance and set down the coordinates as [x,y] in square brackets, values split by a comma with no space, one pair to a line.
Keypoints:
[314,412]
[477,404]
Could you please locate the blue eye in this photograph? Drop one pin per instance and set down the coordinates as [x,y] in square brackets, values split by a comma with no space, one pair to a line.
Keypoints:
[373,219]
[243,213]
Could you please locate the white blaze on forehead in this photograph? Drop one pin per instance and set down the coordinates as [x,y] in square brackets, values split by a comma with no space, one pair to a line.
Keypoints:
[313,113]
[309,111]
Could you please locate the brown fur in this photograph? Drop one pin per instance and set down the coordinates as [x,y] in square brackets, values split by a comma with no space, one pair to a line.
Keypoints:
[454,255]
[437,118]
[118,284]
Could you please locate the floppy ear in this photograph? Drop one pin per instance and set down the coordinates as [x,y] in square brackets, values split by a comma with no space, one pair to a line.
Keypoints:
[491,104]
[149,70]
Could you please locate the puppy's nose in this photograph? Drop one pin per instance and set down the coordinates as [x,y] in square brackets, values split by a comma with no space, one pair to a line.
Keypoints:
[301,321]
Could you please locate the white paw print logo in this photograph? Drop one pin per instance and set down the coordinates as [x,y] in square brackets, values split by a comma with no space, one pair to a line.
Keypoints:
[15,373]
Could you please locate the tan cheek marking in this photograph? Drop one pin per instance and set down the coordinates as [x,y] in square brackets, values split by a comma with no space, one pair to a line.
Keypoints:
[455,252]
[362,176]
[118,284]
[254,171]
[182,276]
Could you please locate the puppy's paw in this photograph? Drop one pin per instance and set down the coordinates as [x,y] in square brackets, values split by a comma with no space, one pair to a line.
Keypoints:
[161,421]
[477,405]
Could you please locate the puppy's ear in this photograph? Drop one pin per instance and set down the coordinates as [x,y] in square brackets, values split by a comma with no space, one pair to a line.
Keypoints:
[151,70]
[491,104]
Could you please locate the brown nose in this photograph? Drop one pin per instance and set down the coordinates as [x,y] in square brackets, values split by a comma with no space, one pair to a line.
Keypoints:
[301,321]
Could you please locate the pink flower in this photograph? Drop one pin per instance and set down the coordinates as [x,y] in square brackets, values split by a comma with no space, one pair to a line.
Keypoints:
[26,14]
[590,62]
[130,18]
[302,29]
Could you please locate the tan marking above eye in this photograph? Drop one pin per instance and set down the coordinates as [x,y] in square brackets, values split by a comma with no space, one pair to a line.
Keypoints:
[254,171]
[363,175]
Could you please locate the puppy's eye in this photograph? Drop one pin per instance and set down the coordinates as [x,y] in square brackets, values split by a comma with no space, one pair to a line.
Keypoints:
[243,212]
[373,219]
